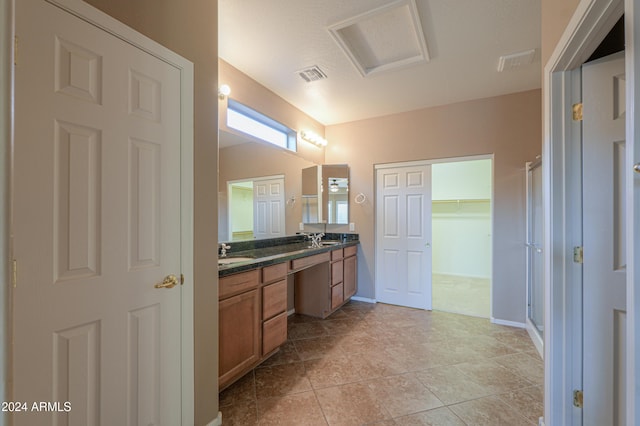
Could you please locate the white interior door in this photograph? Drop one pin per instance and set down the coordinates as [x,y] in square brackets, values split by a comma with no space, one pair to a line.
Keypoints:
[605,259]
[268,202]
[96,225]
[403,235]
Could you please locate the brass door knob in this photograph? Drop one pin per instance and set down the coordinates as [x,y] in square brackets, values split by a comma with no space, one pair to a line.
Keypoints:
[169,281]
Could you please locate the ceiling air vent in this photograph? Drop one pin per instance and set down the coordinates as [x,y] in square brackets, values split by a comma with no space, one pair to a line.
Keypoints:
[313,73]
[516,60]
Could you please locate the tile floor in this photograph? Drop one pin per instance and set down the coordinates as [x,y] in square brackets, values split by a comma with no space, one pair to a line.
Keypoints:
[462,295]
[377,364]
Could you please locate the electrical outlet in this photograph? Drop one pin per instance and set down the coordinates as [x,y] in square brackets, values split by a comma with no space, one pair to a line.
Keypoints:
[352,226]
[301,226]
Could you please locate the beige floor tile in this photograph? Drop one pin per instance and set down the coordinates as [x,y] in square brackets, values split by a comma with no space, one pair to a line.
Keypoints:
[376,364]
[306,330]
[450,385]
[286,355]
[242,390]
[359,343]
[356,371]
[301,409]
[438,417]
[492,376]
[331,371]
[318,347]
[242,413]
[489,411]
[402,395]
[351,405]
[523,365]
[528,402]
[281,380]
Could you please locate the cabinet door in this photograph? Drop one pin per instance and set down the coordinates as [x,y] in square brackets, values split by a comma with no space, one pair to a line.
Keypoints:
[274,333]
[239,328]
[350,276]
[274,299]
[337,295]
[336,272]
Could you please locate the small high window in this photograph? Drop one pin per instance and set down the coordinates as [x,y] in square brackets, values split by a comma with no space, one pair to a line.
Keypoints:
[247,120]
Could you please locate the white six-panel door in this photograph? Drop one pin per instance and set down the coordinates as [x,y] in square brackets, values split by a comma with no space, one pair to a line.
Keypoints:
[403,235]
[96,225]
[604,238]
[268,208]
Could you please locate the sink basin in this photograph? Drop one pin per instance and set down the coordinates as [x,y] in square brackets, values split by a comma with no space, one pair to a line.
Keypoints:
[329,243]
[229,260]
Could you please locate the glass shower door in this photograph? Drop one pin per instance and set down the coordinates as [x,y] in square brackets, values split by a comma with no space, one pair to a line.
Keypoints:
[535,286]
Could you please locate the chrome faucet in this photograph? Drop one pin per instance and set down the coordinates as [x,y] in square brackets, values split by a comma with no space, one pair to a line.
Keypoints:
[223,250]
[316,239]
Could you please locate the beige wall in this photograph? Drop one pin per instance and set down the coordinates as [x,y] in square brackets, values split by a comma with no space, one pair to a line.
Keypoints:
[507,127]
[189,28]
[555,15]
[249,92]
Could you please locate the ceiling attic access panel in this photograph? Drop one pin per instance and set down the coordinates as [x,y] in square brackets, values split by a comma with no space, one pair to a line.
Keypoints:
[383,39]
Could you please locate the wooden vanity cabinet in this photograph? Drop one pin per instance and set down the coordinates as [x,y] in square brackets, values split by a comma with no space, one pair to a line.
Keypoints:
[337,276]
[350,271]
[274,307]
[252,319]
[239,325]
[324,287]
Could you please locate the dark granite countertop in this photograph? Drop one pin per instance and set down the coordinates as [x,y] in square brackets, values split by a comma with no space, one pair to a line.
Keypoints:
[269,252]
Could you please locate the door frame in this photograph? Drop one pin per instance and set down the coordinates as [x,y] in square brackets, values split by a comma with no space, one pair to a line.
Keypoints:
[531,328]
[432,162]
[562,188]
[105,22]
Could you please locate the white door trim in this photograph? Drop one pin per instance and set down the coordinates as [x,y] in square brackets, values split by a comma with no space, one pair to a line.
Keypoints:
[589,25]
[454,160]
[125,33]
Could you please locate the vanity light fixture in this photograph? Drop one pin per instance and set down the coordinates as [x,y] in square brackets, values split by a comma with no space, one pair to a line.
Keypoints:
[223,91]
[313,138]
[333,186]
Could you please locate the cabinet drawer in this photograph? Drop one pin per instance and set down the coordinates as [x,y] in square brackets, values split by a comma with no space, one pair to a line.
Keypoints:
[274,333]
[304,262]
[337,295]
[336,254]
[350,251]
[337,269]
[274,299]
[238,283]
[275,272]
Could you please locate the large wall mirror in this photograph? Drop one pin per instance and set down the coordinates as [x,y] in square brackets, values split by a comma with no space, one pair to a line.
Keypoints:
[325,194]
[259,191]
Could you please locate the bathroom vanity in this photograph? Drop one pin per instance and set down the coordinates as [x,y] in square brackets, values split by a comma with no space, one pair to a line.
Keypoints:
[253,294]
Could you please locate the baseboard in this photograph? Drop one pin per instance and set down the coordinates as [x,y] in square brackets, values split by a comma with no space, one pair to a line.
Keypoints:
[508,323]
[363,299]
[291,312]
[217,421]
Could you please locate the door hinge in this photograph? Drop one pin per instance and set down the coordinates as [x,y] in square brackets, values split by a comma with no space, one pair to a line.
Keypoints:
[578,254]
[15,51]
[577,111]
[14,273]
[181,279]
[578,398]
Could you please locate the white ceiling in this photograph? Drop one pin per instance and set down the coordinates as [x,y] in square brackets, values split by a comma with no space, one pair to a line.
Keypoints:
[271,40]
